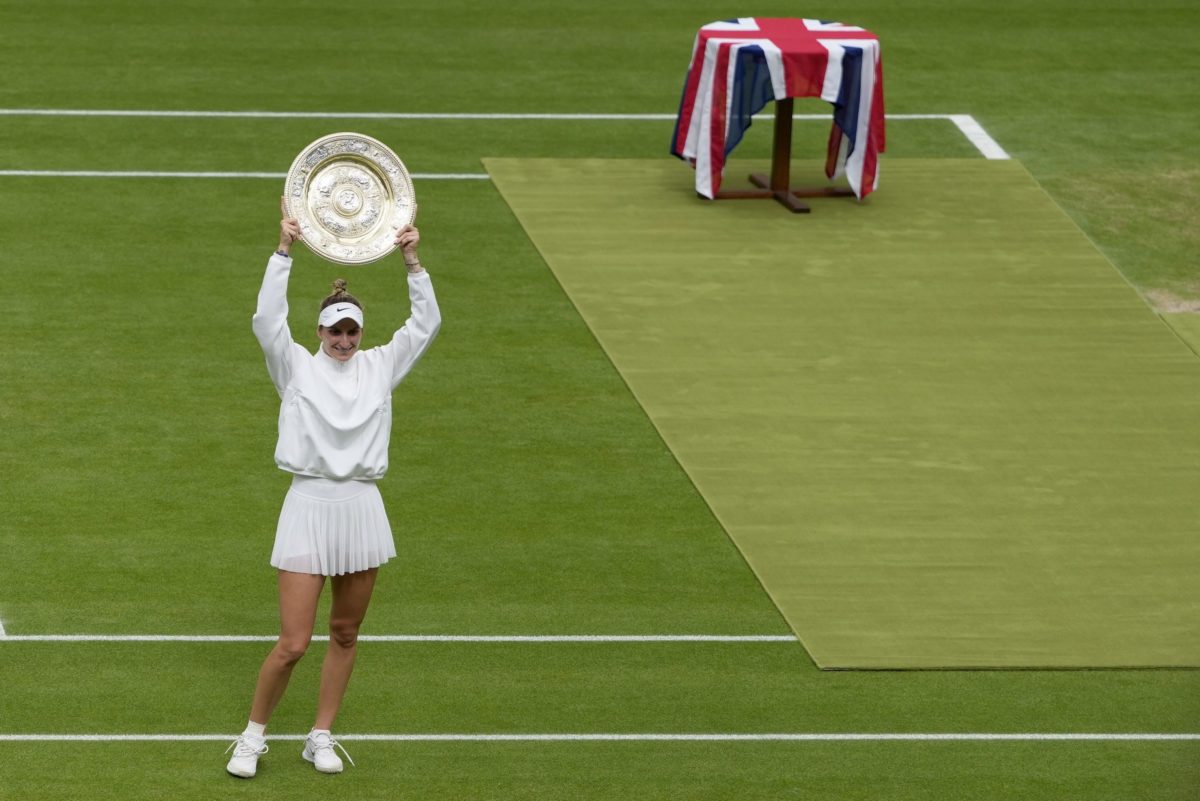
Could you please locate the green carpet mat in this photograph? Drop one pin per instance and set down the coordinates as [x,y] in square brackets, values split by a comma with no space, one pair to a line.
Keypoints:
[941,428]
[1187,326]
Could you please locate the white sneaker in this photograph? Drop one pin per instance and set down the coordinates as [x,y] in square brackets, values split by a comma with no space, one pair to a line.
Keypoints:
[318,749]
[246,751]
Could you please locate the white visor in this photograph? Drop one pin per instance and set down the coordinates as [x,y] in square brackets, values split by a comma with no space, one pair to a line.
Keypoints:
[335,312]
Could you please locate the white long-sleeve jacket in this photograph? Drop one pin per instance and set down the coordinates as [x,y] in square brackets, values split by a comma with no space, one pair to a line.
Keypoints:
[335,418]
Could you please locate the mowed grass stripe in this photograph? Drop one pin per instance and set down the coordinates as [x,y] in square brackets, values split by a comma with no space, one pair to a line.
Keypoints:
[414,115]
[176,688]
[601,770]
[447,638]
[643,737]
[338,115]
[607,771]
[425,176]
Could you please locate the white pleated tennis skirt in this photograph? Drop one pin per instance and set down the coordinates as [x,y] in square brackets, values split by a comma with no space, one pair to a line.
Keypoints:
[329,527]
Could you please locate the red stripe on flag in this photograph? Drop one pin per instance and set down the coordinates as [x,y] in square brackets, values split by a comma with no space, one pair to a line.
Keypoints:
[716,148]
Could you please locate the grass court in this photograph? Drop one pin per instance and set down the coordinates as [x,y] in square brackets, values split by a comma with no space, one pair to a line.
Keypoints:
[688,504]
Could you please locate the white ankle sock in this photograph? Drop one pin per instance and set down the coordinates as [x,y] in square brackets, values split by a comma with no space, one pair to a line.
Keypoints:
[257,730]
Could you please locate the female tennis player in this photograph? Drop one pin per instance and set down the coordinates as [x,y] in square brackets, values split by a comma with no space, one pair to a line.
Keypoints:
[334,424]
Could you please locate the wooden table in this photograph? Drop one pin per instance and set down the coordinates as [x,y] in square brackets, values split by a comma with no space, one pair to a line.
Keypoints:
[738,66]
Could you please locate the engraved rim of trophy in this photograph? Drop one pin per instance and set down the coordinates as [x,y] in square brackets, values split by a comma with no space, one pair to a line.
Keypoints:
[350,193]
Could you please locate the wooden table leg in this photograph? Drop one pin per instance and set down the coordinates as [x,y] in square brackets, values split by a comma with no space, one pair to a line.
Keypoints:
[777,185]
[781,162]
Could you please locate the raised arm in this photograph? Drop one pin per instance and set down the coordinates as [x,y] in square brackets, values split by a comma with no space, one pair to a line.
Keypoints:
[416,335]
[270,321]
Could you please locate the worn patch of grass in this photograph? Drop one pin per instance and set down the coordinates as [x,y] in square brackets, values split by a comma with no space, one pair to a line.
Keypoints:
[1147,220]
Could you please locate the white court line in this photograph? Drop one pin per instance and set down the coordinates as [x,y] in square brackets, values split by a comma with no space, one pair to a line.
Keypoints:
[655,737]
[975,134]
[965,123]
[493,638]
[417,176]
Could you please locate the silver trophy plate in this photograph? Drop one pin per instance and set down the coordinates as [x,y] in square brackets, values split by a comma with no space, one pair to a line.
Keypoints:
[350,194]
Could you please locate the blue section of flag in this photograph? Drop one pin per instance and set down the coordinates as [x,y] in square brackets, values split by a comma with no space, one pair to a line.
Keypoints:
[752,90]
[845,108]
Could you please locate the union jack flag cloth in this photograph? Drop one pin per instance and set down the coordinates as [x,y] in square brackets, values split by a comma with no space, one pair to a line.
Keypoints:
[740,65]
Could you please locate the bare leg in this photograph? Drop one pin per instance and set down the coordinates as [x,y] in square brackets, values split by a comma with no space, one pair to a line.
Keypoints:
[351,594]
[298,596]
